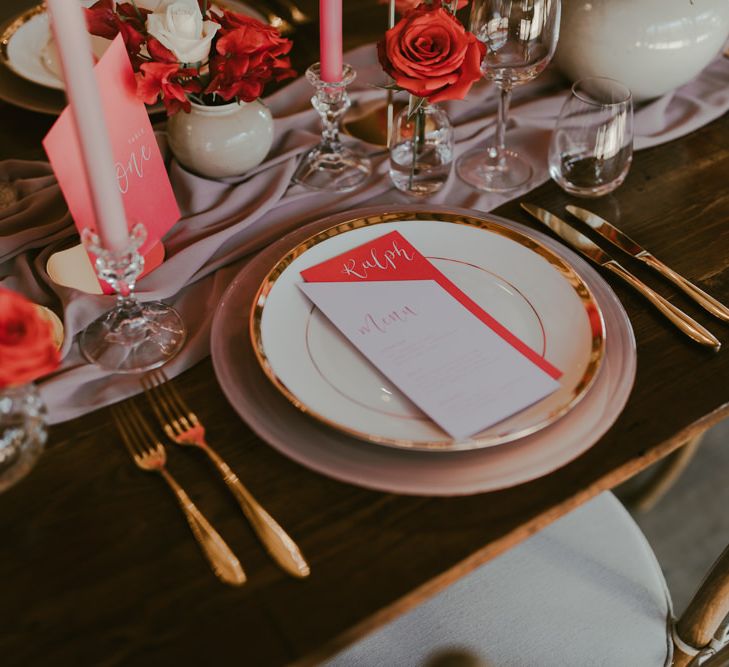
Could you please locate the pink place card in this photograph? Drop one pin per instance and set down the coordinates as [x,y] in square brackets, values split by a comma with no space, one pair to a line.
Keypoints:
[141,174]
[450,357]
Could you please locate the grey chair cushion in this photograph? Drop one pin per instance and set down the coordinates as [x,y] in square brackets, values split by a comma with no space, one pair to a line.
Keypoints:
[587,590]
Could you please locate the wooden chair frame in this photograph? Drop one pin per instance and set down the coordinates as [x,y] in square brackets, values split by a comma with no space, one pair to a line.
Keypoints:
[704,624]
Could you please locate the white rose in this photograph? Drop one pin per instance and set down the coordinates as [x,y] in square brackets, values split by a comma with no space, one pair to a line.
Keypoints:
[179,25]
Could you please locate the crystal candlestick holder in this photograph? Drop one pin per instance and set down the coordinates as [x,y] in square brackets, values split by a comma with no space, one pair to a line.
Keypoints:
[133,336]
[331,165]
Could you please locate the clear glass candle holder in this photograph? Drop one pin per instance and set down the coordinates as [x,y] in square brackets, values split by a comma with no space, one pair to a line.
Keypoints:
[331,165]
[592,144]
[22,432]
[132,337]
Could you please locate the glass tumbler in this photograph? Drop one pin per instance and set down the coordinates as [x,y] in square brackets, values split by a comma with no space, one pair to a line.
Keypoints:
[592,144]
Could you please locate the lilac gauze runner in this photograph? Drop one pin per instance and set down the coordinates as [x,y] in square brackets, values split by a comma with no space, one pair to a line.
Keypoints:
[223,223]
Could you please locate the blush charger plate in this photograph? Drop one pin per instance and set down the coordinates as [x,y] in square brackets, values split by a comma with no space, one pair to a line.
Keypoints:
[330,452]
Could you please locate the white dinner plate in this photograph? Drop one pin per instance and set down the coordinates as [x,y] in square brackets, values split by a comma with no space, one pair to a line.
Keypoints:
[524,285]
[333,453]
[26,46]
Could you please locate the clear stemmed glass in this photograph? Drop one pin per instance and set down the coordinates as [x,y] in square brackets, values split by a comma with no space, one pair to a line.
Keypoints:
[520,38]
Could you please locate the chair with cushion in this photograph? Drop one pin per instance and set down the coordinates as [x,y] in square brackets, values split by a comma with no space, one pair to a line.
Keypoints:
[587,590]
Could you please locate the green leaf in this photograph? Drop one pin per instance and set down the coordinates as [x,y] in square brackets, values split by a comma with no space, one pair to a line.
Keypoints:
[414,105]
[136,9]
[388,86]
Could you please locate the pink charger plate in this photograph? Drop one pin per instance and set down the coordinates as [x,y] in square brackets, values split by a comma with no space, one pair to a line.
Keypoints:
[332,453]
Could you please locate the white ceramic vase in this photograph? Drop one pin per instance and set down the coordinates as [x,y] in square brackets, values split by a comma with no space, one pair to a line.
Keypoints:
[651,46]
[221,141]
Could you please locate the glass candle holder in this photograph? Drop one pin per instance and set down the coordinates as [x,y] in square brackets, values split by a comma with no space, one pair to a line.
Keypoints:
[132,337]
[22,432]
[331,165]
[592,145]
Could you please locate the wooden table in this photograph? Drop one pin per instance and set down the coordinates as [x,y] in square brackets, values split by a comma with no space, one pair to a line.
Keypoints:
[98,567]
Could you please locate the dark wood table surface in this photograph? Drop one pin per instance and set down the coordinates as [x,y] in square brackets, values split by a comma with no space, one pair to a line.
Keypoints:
[98,567]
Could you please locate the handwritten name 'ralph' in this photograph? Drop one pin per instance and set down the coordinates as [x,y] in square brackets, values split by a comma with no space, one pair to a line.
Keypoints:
[378,261]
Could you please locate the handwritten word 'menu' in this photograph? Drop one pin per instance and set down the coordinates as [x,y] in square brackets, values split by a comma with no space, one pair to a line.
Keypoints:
[382,323]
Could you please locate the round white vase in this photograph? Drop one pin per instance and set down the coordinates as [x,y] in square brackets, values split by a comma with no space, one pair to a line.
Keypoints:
[651,46]
[221,141]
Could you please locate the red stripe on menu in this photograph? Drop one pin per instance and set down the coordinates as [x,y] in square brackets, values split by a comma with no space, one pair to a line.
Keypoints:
[393,257]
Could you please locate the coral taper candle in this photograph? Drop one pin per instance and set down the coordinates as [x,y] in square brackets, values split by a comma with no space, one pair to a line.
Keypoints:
[330,40]
[74,47]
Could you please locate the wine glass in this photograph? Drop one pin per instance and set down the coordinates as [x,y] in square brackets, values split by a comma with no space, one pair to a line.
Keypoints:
[520,38]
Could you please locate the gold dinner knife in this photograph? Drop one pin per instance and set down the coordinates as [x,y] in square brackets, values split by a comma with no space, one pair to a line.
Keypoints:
[593,252]
[625,243]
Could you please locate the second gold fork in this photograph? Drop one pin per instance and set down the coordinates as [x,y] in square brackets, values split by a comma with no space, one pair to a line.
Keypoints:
[183,427]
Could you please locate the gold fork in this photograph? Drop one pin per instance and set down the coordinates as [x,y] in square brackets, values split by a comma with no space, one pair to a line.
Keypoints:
[183,427]
[149,454]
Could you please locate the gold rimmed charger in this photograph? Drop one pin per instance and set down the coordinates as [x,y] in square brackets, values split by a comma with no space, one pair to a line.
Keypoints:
[518,280]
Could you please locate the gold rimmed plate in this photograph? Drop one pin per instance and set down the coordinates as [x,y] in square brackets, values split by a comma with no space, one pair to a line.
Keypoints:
[519,281]
[20,38]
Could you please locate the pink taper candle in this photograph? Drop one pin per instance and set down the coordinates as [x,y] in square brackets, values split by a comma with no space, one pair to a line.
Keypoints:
[74,47]
[330,40]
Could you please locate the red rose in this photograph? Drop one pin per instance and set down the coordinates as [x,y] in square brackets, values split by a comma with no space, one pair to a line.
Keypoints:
[27,350]
[430,54]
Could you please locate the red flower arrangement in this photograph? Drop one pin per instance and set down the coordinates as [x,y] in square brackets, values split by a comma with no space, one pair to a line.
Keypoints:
[185,50]
[431,55]
[27,348]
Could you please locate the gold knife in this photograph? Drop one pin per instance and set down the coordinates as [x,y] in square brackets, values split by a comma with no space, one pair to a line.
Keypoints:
[593,252]
[625,243]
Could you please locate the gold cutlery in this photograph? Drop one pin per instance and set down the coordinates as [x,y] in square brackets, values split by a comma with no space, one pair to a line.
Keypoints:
[625,243]
[183,427]
[593,252]
[149,454]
